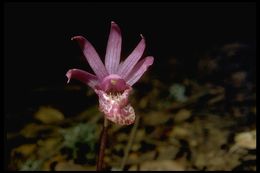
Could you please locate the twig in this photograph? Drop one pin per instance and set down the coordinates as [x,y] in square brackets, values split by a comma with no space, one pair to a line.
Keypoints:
[130,143]
[102,147]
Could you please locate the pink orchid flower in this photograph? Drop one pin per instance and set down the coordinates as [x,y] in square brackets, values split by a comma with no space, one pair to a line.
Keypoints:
[113,81]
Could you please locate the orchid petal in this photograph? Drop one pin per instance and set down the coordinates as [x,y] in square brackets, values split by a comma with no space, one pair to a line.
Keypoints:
[126,67]
[113,83]
[113,51]
[83,76]
[139,70]
[92,57]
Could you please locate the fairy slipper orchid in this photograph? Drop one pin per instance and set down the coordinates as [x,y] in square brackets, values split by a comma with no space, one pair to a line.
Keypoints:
[113,80]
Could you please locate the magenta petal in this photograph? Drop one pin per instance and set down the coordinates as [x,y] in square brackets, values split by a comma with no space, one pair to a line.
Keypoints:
[113,51]
[116,107]
[139,70]
[113,83]
[126,67]
[83,76]
[92,57]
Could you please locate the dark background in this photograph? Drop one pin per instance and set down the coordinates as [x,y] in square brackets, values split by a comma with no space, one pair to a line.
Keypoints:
[38,50]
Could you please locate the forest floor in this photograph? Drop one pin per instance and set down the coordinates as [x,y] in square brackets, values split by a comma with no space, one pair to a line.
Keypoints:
[202,122]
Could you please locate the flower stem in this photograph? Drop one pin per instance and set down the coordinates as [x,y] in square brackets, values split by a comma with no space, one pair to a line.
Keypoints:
[102,145]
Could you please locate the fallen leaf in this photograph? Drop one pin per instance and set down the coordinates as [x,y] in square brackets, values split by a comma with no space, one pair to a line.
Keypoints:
[47,165]
[70,166]
[238,78]
[182,115]
[156,118]
[161,165]
[140,135]
[135,158]
[25,150]
[31,130]
[167,152]
[47,146]
[246,139]
[49,115]
[133,168]
[179,132]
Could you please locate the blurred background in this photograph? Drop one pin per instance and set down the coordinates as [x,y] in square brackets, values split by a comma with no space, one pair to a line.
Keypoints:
[196,103]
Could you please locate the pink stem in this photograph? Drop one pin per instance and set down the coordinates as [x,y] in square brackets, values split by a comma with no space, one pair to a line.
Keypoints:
[102,146]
